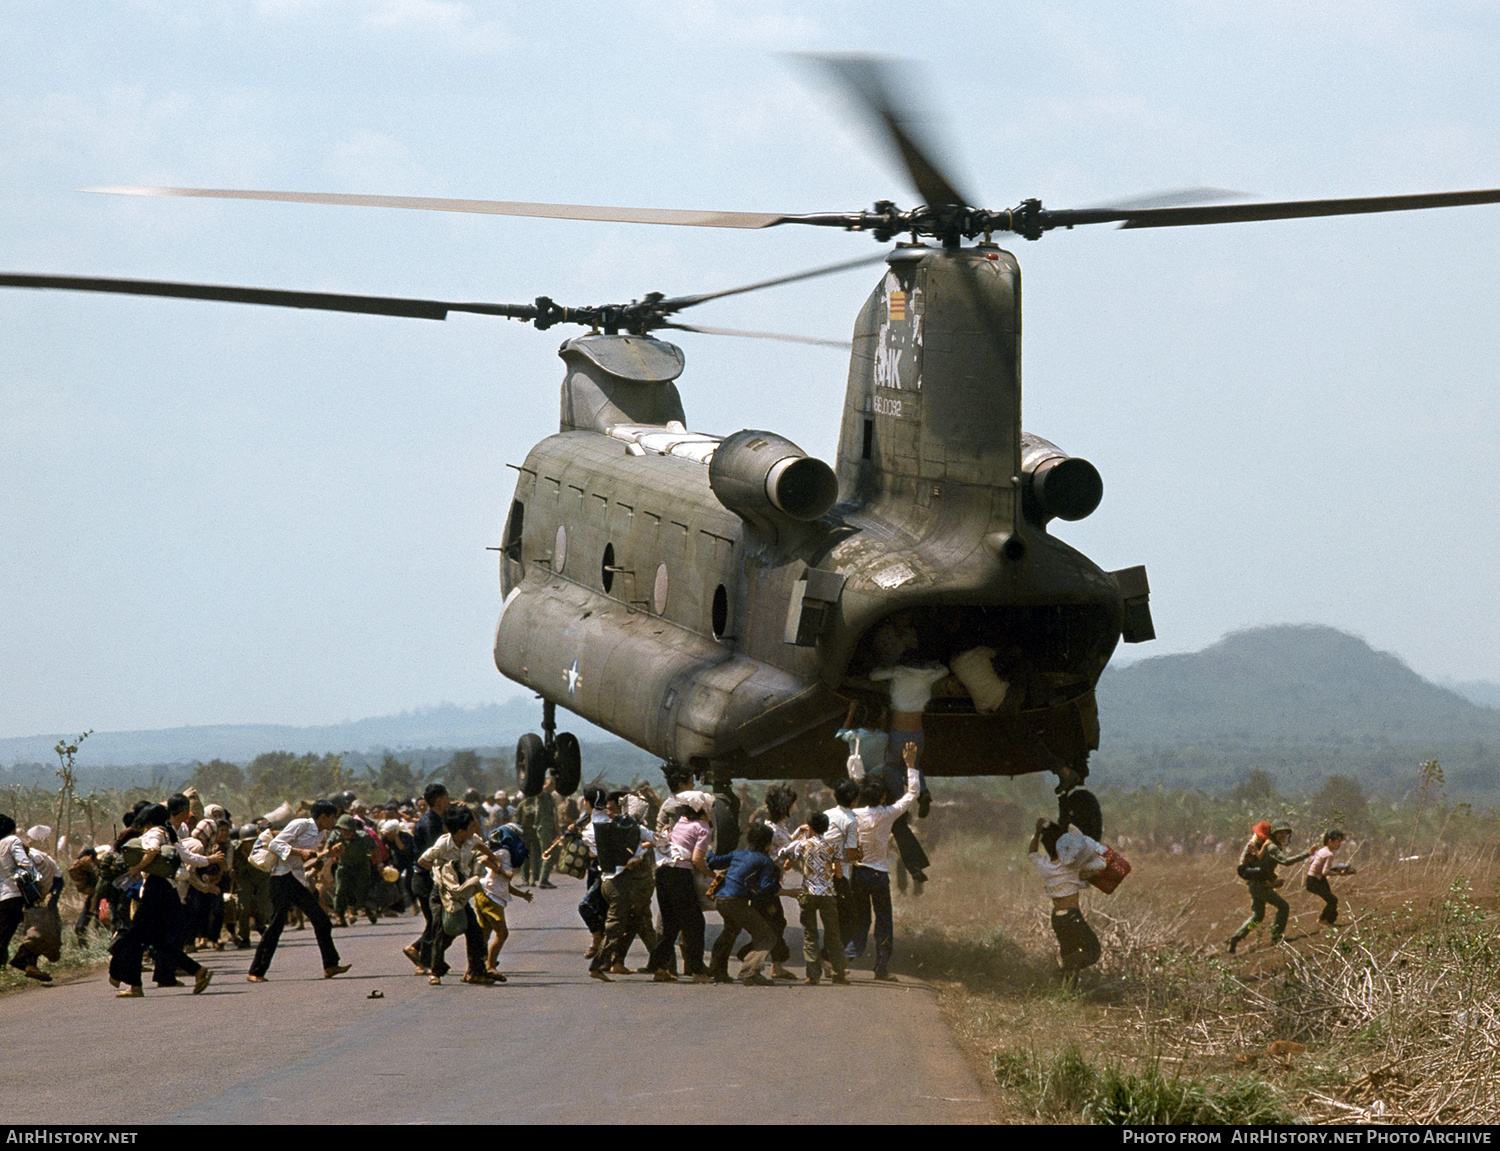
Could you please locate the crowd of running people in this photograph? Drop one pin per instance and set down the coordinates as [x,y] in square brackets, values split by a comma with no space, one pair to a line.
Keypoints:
[183,877]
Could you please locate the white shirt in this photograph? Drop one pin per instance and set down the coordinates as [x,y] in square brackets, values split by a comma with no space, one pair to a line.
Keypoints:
[911,687]
[1059,879]
[303,834]
[875,825]
[14,858]
[461,856]
[843,833]
[496,883]
[446,851]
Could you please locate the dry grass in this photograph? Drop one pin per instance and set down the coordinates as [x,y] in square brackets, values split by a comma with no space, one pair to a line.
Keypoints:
[1394,1018]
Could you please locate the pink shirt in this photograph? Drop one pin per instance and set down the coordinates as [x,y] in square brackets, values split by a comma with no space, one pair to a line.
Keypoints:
[1318,868]
[688,836]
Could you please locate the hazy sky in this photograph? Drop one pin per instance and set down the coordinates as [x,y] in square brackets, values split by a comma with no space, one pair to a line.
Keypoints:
[215,513]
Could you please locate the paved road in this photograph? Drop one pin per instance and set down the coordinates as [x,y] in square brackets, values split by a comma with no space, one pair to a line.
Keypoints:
[550,1046]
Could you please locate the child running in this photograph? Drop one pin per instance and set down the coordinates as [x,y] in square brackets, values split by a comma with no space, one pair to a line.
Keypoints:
[496,887]
[1318,871]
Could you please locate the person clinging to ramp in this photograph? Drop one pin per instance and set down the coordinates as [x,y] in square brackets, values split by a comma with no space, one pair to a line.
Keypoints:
[911,690]
[1060,858]
[1263,854]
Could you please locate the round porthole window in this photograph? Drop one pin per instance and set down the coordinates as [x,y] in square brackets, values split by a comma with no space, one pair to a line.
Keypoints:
[659,592]
[560,550]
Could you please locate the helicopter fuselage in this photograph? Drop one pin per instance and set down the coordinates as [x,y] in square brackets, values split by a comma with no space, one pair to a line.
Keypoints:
[701,598]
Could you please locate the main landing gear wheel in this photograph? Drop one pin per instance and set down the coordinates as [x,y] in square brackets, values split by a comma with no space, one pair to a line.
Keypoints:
[1080,807]
[567,763]
[531,763]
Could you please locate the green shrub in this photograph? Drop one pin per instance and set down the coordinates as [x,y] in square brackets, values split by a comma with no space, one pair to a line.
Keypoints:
[1066,1084]
[1153,1098]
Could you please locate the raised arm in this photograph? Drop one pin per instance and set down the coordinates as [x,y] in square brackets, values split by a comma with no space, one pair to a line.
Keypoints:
[902,805]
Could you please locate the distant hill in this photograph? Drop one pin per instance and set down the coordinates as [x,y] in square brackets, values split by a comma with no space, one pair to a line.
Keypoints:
[1480,691]
[1299,701]
[425,737]
[444,726]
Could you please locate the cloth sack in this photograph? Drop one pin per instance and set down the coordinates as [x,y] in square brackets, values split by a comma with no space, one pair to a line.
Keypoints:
[164,866]
[855,764]
[261,855]
[975,669]
[701,884]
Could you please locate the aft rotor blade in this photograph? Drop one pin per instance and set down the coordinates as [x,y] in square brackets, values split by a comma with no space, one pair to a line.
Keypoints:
[679,216]
[1280,210]
[677,303]
[873,82]
[319,301]
[817,340]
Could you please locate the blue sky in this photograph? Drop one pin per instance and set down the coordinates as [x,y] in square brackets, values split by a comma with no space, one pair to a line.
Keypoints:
[215,513]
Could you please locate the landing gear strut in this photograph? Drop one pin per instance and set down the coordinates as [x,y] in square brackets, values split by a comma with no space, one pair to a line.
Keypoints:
[558,753]
[726,815]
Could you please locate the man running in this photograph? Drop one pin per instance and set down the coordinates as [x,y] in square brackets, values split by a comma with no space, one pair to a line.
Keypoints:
[298,844]
[1258,863]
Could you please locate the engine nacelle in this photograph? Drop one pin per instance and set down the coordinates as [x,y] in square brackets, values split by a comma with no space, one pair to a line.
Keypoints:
[1057,485]
[762,476]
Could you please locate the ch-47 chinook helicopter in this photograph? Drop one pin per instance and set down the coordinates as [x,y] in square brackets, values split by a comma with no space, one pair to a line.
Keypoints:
[720,601]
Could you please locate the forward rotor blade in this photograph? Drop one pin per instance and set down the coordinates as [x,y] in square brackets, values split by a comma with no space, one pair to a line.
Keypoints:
[817,340]
[679,216]
[319,301]
[1279,210]
[873,83]
[677,303]
[1174,198]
